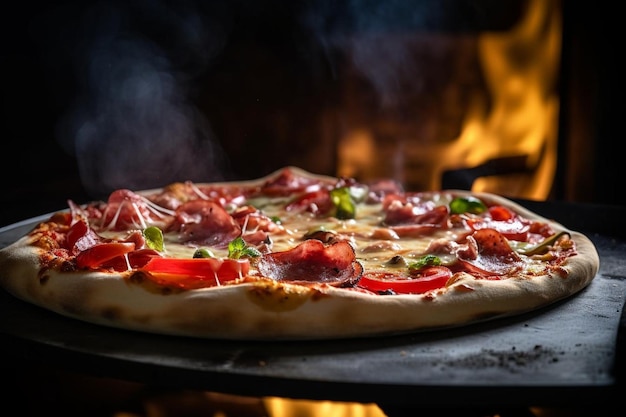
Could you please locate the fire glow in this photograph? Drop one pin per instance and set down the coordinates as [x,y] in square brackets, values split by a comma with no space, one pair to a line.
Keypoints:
[514,116]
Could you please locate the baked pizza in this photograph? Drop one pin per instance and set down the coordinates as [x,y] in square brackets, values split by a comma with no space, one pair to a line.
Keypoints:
[295,256]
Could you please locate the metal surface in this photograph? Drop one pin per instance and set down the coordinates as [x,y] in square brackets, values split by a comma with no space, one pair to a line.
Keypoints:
[544,357]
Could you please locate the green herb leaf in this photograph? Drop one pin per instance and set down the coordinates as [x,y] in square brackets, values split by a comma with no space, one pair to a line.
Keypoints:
[467,204]
[154,238]
[250,252]
[345,208]
[238,248]
[424,261]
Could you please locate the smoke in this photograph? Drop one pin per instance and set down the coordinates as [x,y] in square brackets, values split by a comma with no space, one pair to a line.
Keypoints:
[133,123]
[370,34]
[137,68]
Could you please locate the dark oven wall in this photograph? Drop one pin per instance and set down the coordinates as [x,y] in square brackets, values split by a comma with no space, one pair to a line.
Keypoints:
[98,96]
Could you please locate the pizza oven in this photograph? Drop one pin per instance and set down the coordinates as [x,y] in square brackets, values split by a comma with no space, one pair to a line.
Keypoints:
[517,98]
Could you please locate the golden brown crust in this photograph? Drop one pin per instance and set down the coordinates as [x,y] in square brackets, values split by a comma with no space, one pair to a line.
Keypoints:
[269,310]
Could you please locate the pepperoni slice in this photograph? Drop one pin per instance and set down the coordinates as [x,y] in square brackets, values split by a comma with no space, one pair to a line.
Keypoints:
[506,222]
[81,237]
[403,211]
[288,183]
[205,223]
[316,202]
[312,261]
[126,210]
[102,252]
[494,256]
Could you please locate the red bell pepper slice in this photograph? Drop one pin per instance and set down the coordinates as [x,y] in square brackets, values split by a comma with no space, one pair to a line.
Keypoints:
[429,278]
[193,273]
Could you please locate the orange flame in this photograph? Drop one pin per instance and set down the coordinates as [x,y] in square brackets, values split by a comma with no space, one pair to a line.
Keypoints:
[519,118]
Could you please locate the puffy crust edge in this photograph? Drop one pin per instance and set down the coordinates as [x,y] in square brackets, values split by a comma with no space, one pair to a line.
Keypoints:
[276,311]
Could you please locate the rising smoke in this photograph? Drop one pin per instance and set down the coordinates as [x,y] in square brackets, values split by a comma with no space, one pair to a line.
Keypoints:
[138,67]
[132,122]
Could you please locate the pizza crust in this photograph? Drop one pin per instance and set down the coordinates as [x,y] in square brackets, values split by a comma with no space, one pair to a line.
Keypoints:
[279,311]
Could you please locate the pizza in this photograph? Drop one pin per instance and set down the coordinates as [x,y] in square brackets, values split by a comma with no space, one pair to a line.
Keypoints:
[295,256]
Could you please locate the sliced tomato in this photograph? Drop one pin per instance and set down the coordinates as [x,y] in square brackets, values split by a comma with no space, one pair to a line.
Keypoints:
[501,213]
[196,272]
[100,253]
[428,279]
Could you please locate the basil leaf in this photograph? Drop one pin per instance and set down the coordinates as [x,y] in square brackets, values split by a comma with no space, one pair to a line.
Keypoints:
[425,261]
[154,238]
[467,204]
[238,248]
[250,252]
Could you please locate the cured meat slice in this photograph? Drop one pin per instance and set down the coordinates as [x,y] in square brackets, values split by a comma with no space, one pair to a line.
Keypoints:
[312,261]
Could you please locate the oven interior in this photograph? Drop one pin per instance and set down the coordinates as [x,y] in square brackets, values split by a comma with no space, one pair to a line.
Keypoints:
[517,98]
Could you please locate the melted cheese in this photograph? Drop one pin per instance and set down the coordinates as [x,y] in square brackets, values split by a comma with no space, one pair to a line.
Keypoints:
[374,244]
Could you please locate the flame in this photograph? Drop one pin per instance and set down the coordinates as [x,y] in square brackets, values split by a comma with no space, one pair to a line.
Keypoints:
[284,407]
[519,119]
